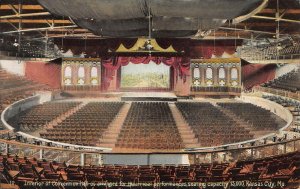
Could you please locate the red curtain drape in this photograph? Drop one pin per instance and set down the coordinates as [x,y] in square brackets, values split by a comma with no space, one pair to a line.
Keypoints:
[181,65]
[256,74]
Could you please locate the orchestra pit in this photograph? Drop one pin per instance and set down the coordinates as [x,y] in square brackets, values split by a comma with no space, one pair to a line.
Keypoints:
[150,94]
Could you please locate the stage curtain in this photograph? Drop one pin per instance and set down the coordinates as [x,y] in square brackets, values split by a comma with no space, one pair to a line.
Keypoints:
[181,65]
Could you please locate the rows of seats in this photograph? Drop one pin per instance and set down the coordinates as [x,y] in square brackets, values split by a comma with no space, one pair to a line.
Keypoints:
[289,81]
[85,126]
[259,118]
[36,117]
[149,125]
[28,48]
[14,88]
[270,52]
[211,126]
[284,168]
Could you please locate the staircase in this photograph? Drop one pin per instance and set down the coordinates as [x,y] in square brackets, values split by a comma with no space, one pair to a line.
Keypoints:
[58,119]
[110,135]
[187,135]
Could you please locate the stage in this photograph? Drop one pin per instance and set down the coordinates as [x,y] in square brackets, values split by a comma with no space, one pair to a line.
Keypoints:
[149,96]
[123,96]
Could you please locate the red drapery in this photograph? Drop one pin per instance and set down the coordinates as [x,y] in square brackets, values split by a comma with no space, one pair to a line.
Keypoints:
[181,65]
[256,74]
[49,74]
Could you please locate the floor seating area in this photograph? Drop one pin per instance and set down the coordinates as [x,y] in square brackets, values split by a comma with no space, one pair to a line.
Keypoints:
[85,126]
[211,126]
[149,125]
[260,118]
[289,81]
[36,117]
[284,168]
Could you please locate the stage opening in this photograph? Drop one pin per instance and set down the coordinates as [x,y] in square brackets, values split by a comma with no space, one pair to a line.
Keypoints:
[145,76]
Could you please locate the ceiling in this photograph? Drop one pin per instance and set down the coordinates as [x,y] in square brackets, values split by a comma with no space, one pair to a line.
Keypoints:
[31,20]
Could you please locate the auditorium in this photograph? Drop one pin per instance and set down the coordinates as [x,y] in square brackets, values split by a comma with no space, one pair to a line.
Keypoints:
[150,94]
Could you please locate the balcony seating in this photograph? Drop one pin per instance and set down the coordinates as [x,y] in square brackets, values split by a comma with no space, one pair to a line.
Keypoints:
[289,82]
[14,88]
[284,168]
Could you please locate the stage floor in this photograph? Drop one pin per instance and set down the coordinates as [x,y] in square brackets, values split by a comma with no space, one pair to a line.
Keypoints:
[148,96]
[124,96]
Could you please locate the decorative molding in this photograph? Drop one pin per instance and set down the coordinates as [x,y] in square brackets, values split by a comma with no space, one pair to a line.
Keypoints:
[145,45]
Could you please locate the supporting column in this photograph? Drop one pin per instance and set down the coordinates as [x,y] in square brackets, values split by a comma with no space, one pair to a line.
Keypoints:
[100,161]
[224,157]
[82,159]
[41,153]
[7,148]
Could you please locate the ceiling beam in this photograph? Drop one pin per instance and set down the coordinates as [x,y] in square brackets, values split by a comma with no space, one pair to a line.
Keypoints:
[36,21]
[14,9]
[25,15]
[276,19]
[39,29]
[248,30]
[261,24]
[273,11]
[24,7]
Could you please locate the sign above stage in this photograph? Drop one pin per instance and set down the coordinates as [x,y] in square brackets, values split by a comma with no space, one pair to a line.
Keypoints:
[145,45]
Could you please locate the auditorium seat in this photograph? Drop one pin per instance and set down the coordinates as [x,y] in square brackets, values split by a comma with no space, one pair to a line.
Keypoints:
[36,117]
[271,169]
[149,125]
[259,118]
[86,125]
[211,126]
[289,81]
[14,88]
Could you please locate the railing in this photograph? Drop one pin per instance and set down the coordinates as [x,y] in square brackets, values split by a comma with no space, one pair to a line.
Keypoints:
[266,56]
[278,92]
[220,155]
[27,145]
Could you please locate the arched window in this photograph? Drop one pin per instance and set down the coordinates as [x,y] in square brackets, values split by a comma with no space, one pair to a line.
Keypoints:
[68,75]
[81,75]
[234,73]
[196,72]
[221,73]
[209,73]
[68,71]
[94,75]
[94,72]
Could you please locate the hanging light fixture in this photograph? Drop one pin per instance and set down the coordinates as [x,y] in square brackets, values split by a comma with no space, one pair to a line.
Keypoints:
[148,45]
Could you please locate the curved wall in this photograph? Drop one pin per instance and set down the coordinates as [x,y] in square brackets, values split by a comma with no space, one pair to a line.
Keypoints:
[27,103]
[20,106]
